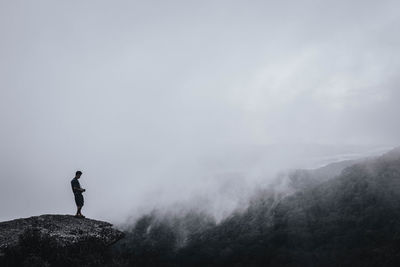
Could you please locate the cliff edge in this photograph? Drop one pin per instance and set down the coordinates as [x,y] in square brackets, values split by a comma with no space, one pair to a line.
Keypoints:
[65,229]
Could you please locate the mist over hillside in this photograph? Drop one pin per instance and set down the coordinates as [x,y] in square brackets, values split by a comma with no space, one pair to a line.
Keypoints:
[349,217]
[220,182]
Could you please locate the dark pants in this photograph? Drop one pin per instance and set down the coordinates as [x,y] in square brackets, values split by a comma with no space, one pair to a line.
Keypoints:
[79,200]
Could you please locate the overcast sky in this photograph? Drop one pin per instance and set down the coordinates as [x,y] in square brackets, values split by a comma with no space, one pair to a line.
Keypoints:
[153,100]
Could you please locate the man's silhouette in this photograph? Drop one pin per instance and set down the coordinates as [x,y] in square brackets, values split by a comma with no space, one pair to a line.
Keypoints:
[78,190]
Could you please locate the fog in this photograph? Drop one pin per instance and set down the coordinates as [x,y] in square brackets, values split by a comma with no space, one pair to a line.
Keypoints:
[161,103]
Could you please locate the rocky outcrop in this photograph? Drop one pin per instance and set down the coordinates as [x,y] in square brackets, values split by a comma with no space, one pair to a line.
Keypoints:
[65,229]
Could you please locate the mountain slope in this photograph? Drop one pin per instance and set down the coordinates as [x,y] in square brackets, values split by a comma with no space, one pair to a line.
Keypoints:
[352,219]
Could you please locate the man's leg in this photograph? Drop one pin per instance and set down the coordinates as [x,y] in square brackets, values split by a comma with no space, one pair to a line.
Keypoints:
[79,212]
[79,205]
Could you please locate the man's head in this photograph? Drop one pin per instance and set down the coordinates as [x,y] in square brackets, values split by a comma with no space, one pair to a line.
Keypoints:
[78,174]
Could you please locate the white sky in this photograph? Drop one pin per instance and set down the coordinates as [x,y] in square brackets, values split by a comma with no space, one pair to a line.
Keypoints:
[145,96]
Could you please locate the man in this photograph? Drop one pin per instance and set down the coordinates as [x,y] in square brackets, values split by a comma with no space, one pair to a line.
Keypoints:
[78,190]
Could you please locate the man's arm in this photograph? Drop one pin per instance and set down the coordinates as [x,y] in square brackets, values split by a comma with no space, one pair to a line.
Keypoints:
[79,189]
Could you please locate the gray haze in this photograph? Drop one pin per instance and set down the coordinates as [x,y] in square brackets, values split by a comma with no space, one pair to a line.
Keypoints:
[160,102]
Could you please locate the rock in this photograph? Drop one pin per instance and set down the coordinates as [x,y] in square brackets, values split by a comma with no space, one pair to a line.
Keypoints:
[65,229]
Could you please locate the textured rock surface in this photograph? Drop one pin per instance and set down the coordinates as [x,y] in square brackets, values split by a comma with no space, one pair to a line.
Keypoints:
[66,229]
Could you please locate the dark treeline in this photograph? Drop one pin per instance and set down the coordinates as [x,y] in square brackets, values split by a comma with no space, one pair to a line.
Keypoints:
[351,219]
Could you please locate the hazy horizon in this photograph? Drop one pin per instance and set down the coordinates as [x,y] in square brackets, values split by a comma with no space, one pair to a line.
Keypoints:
[166,102]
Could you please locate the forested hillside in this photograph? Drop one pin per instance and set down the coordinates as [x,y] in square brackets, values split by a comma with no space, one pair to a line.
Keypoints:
[352,219]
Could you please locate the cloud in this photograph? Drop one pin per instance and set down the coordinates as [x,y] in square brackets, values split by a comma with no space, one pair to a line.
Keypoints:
[140,94]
